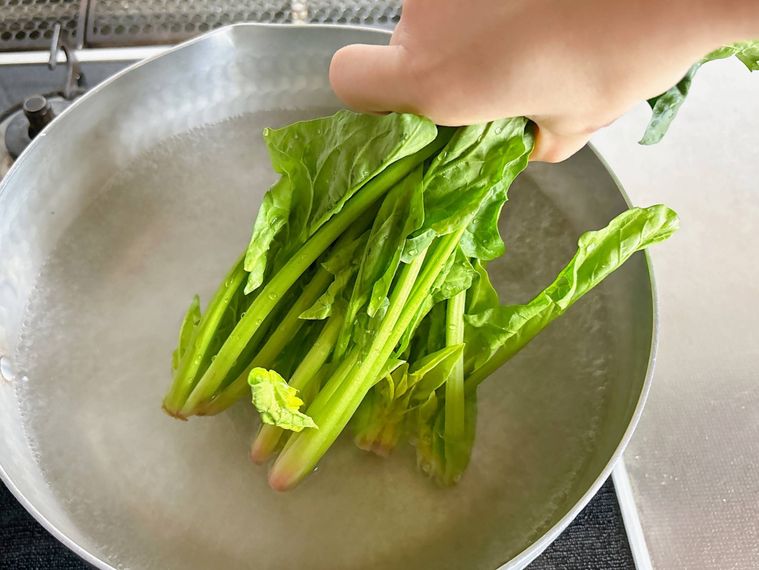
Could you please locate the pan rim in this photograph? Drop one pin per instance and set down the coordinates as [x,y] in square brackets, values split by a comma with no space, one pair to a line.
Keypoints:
[533,550]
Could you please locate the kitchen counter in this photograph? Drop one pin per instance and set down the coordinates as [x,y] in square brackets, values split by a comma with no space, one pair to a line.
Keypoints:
[694,459]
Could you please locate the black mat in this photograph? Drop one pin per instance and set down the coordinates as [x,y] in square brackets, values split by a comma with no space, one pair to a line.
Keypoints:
[595,540]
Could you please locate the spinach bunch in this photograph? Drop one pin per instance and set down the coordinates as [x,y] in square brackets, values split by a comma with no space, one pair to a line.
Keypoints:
[363,297]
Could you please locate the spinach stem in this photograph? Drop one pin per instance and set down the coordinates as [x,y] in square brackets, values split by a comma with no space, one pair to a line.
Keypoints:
[197,354]
[454,385]
[275,344]
[305,449]
[268,437]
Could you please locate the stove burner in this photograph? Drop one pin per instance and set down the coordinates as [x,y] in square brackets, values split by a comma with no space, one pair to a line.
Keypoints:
[23,122]
[38,112]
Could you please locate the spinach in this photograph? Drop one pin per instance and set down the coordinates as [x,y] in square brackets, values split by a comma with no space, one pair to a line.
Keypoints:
[318,179]
[664,107]
[495,334]
[364,300]
[277,401]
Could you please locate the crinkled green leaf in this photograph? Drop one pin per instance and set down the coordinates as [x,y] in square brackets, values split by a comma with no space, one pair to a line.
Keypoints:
[665,106]
[276,401]
[481,239]
[323,162]
[474,171]
[506,329]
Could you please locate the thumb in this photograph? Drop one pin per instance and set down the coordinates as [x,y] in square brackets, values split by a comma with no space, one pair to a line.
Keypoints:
[372,78]
[551,147]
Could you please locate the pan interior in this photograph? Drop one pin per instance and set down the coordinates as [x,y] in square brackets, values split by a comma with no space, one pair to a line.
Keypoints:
[91,360]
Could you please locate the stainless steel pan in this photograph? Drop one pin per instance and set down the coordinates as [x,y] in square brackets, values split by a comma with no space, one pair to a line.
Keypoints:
[140,195]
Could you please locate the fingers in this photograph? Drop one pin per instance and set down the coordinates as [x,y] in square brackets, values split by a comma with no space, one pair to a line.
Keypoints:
[550,147]
[372,79]
[378,79]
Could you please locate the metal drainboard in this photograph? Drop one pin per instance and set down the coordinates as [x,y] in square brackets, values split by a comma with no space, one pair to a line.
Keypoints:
[117,23]
[28,24]
[363,12]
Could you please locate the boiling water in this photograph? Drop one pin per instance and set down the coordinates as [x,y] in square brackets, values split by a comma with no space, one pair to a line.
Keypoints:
[154,492]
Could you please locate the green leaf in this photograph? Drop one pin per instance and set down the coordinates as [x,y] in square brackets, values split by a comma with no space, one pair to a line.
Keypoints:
[271,218]
[363,328]
[342,262]
[481,239]
[206,338]
[323,162]
[323,306]
[457,276]
[400,214]
[494,335]
[474,171]
[189,323]
[665,106]
[276,401]
[413,246]
[430,373]
[481,295]
[747,52]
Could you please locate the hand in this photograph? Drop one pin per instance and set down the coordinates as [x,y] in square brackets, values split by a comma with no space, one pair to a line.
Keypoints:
[572,66]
